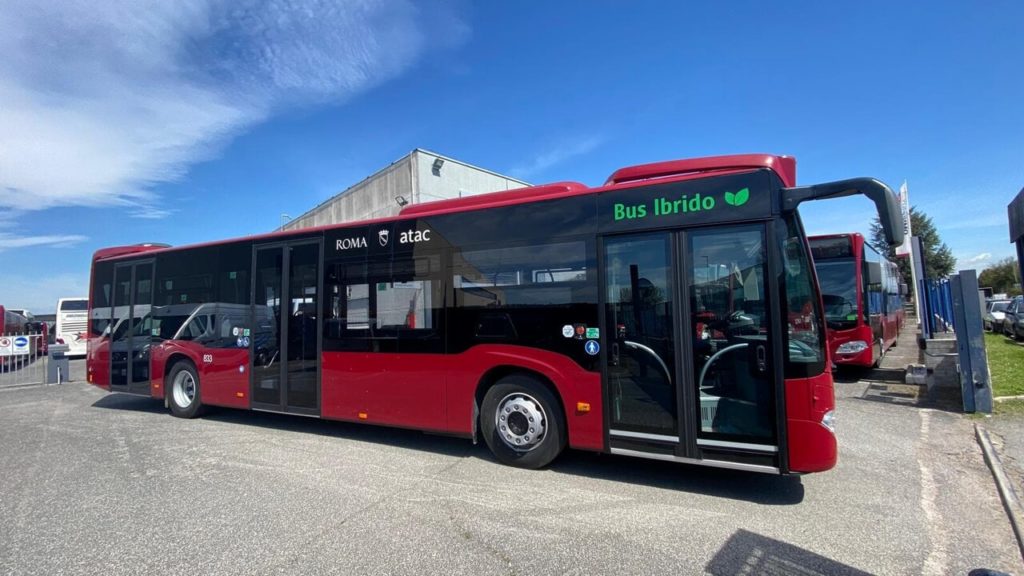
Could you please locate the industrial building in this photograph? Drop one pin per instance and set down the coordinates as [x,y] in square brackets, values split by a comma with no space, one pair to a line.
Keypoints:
[420,176]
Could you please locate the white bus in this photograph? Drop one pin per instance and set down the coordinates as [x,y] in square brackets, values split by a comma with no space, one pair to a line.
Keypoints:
[73,324]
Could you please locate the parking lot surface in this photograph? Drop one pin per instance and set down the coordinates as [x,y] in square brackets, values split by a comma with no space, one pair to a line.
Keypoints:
[98,483]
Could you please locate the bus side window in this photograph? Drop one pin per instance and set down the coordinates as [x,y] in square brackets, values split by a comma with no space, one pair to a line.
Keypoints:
[379,305]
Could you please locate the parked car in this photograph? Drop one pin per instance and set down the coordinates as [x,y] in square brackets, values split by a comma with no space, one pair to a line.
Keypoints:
[995,312]
[1013,320]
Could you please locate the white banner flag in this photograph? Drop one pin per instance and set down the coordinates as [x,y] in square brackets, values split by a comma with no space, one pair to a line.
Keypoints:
[904,249]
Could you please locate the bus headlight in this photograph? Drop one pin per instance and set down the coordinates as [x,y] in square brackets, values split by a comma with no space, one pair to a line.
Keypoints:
[829,421]
[852,347]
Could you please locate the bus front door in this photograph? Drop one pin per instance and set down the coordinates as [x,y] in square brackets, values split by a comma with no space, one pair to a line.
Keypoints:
[284,340]
[689,355]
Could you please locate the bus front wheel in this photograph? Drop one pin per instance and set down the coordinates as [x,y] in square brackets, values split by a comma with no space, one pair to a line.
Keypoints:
[522,423]
[184,390]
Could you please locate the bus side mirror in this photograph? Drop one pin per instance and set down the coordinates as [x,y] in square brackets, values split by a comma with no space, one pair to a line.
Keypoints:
[888,207]
[874,273]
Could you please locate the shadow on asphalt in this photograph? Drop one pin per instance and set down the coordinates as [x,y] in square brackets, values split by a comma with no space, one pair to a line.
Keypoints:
[737,485]
[749,553]
[851,374]
[733,484]
[128,402]
[882,386]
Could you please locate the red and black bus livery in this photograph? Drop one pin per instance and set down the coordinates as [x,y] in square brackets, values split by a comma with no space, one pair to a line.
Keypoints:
[671,313]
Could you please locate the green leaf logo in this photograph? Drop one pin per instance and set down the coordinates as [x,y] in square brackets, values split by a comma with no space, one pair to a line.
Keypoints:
[739,198]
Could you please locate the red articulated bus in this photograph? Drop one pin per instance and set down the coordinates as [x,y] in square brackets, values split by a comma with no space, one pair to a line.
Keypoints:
[672,313]
[861,292]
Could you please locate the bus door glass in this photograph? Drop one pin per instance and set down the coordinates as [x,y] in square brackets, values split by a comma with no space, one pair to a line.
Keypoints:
[129,343]
[640,316]
[285,331]
[733,367]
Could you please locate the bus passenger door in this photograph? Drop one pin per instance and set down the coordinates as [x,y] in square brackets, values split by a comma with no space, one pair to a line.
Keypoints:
[284,337]
[688,350]
[734,379]
[641,313]
[129,343]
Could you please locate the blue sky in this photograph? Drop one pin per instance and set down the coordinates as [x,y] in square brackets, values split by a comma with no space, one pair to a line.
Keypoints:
[180,122]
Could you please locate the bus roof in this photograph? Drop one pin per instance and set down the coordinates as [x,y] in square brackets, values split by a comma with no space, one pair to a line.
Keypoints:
[670,171]
[837,235]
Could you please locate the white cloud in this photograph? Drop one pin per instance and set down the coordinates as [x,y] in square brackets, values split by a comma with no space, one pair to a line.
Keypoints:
[978,261]
[102,100]
[9,241]
[556,155]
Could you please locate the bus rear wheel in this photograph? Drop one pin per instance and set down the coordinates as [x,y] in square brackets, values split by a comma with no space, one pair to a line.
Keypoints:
[522,423]
[183,390]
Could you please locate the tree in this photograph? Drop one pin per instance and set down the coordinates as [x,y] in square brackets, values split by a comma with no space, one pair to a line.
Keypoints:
[1002,277]
[938,258]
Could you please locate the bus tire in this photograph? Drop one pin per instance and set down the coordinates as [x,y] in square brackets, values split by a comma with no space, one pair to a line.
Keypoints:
[183,390]
[522,423]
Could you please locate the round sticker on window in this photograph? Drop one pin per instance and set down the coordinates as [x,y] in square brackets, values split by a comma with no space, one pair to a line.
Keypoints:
[567,331]
[592,347]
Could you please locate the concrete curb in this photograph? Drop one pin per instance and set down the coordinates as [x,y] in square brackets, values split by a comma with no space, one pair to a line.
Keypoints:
[1006,493]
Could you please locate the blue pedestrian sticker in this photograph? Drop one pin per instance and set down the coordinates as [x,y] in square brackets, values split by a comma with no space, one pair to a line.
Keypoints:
[592,347]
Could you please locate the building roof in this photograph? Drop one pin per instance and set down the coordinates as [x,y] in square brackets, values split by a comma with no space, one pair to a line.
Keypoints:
[385,169]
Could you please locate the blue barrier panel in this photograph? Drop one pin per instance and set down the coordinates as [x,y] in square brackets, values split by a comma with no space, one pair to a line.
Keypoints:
[940,305]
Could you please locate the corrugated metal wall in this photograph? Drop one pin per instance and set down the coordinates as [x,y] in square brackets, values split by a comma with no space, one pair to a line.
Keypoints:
[420,176]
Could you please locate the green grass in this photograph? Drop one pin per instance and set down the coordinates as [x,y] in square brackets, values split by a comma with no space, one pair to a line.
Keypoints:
[1005,364]
[1008,407]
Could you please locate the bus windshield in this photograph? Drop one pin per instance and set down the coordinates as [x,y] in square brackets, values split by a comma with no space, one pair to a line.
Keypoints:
[77,305]
[838,281]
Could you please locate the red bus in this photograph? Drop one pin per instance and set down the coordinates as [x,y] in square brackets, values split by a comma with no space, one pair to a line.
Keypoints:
[15,326]
[12,323]
[861,292]
[671,313]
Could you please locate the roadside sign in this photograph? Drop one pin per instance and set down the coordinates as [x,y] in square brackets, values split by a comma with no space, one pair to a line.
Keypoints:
[14,345]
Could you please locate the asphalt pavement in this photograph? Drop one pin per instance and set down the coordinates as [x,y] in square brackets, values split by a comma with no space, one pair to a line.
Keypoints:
[98,483]
[1007,434]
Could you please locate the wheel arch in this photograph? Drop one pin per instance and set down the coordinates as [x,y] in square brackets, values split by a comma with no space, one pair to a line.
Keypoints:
[496,373]
[169,363]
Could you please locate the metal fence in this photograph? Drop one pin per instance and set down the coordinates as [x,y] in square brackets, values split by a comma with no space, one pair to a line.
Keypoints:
[22,359]
[939,303]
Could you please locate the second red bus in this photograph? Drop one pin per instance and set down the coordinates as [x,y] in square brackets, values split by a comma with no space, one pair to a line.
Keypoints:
[861,293]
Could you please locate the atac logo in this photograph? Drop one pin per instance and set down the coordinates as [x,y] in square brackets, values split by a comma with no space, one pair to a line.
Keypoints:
[382,237]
